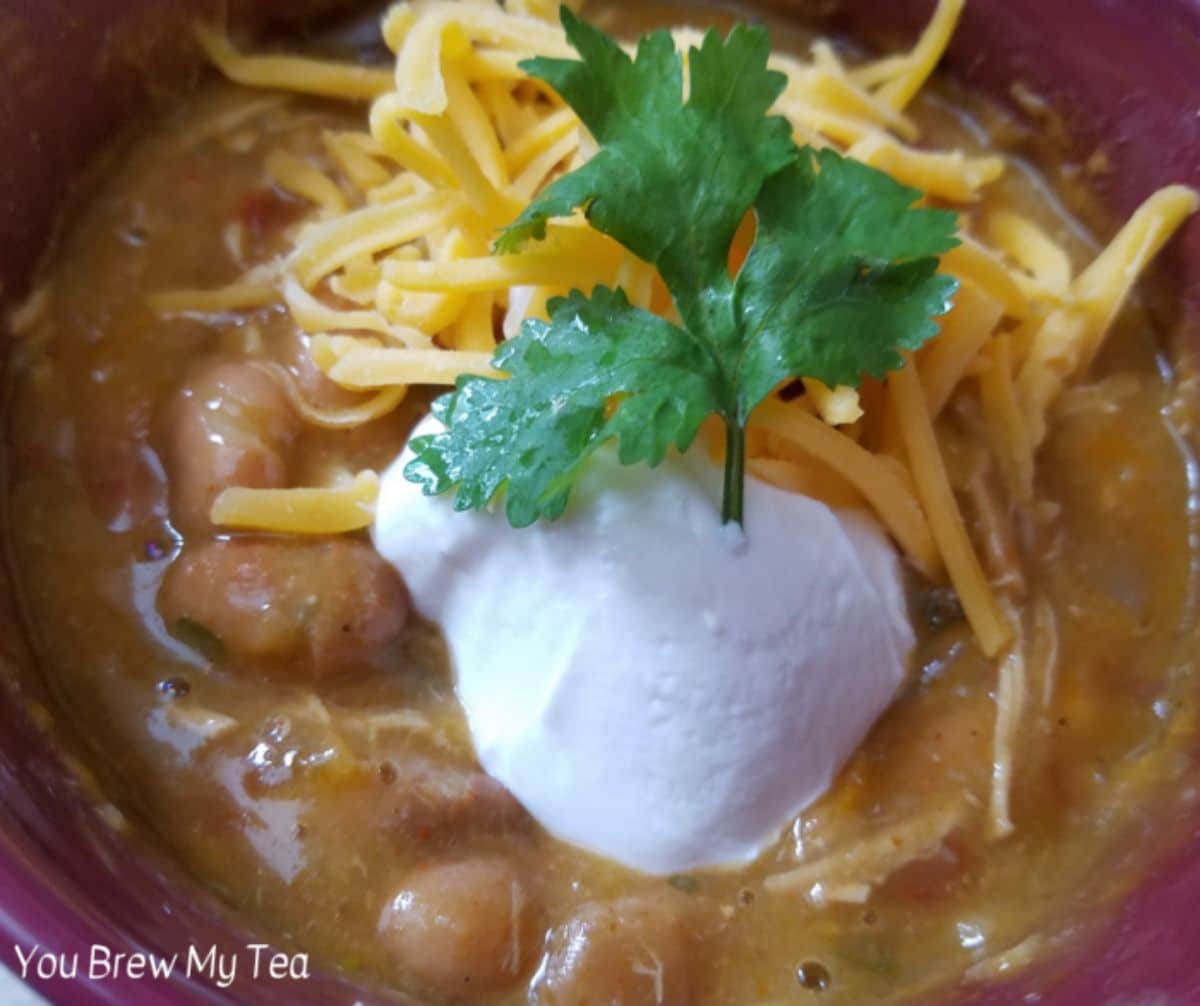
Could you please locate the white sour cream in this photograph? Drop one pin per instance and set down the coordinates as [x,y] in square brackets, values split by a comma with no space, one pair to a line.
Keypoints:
[651,686]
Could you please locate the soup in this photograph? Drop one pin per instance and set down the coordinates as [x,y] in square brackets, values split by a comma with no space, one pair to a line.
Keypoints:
[259,690]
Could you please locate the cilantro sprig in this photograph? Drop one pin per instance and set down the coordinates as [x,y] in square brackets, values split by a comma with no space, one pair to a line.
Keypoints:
[841,277]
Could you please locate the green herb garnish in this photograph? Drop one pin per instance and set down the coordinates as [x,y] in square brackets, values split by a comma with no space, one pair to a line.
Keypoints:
[842,275]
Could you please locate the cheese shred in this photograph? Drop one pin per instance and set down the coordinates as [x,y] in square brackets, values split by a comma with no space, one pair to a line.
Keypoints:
[391,280]
[945,518]
[336,510]
[293,73]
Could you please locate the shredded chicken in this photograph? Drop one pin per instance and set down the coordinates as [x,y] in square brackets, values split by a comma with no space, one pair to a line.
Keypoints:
[848,894]
[1006,962]
[872,860]
[204,724]
[653,971]
[517,896]
[1104,396]
[999,541]
[1011,688]
[1043,651]
[400,721]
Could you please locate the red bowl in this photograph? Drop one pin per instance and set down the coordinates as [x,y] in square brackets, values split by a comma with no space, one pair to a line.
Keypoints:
[1121,75]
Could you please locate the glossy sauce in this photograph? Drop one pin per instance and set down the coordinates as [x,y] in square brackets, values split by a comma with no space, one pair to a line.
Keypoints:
[322,805]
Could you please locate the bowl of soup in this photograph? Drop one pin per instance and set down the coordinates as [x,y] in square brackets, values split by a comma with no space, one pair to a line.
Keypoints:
[631,505]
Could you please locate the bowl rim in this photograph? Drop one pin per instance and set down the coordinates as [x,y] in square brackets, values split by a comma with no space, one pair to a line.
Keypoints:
[1099,81]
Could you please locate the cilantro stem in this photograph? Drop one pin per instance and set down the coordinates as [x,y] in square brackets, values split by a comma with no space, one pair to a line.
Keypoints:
[841,275]
[735,472]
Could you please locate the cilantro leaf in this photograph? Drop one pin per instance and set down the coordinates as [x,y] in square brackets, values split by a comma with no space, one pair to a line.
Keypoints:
[842,275]
[529,434]
[704,160]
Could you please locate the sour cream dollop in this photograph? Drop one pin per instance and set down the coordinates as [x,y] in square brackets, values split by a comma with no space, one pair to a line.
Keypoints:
[652,686]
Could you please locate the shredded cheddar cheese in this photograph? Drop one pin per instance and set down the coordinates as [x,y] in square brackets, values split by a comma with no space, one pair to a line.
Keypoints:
[1033,249]
[945,519]
[258,288]
[292,73]
[392,280]
[1007,429]
[915,68]
[377,367]
[335,510]
[297,176]
[966,330]
[950,175]
[880,484]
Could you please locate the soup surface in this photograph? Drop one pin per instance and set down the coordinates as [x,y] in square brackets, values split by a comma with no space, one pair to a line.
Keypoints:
[272,710]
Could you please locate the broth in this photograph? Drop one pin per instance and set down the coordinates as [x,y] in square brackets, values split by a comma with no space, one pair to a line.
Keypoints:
[307,805]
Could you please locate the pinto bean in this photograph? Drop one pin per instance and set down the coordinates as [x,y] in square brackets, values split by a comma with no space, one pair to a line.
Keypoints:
[120,471]
[629,952]
[296,608]
[316,388]
[230,425]
[461,928]
[265,214]
[427,800]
